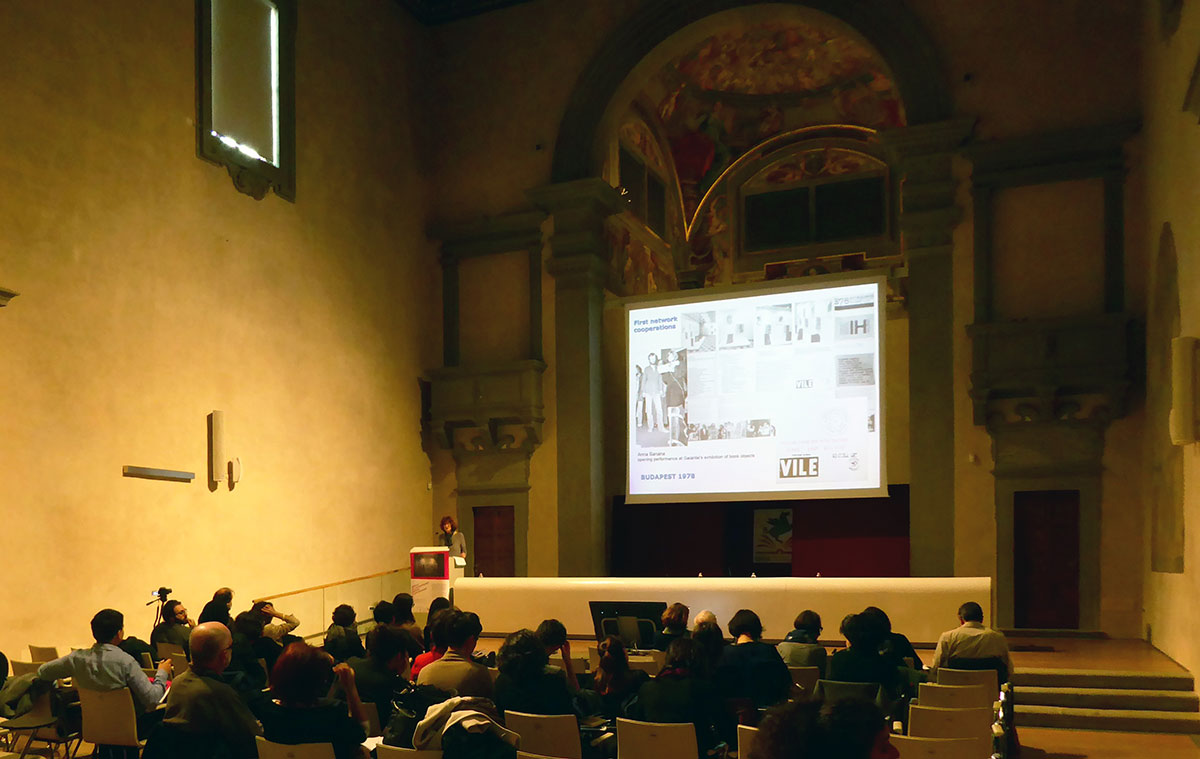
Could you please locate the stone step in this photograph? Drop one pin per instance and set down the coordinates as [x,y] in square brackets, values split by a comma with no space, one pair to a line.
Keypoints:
[1047,677]
[1122,720]
[1108,698]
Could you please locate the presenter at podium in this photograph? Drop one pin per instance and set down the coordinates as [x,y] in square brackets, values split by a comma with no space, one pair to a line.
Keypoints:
[452,538]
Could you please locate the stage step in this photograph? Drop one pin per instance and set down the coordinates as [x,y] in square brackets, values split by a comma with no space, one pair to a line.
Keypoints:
[1123,720]
[1047,677]
[1108,698]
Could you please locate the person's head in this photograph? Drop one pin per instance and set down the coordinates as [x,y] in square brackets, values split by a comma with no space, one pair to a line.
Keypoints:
[879,616]
[652,359]
[552,634]
[462,630]
[402,605]
[675,617]
[249,624]
[211,646]
[856,729]
[681,654]
[448,524]
[704,615]
[175,613]
[970,612]
[384,613]
[344,615]
[791,730]
[809,622]
[745,622]
[437,628]
[438,604]
[301,675]
[264,608]
[108,626]
[389,648]
[522,655]
[614,664]
[709,638]
[225,596]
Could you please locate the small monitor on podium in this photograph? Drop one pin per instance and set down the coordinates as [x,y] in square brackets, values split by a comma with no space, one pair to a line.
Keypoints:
[433,572]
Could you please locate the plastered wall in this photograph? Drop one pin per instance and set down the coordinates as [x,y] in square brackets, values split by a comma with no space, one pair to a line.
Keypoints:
[152,292]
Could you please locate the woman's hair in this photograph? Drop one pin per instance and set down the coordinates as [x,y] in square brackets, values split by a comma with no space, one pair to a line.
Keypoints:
[224,595]
[675,617]
[745,622]
[384,613]
[809,621]
[437,628]
[879,617]
[551,633]
[861,631]
[682,652]
[448,520]
[436,605]
[790,731]
[344,615]
[710,641]
[522,656]
[613,669]
[403,605]
[250,624]
[301,675]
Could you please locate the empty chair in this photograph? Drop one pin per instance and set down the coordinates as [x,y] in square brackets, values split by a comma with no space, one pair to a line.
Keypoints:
[179,664]
[745,738]
[955,696]
[24,667]
[42,653]
[940,722]
[164,650]
[372,712]
[147,662]
[395,752]
[269,750]
[805,679]
[988,677]
[654,740]
[109,718]
[42,727]
[548,735]
[937,748]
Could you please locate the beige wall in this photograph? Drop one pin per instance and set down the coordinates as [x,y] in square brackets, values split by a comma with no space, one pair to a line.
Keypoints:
[152,292]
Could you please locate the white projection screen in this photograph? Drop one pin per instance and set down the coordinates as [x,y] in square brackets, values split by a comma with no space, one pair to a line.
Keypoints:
[760,393]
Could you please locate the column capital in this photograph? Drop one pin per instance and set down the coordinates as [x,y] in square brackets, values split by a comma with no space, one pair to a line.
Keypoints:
[578,271]
[578,209]
[931,138]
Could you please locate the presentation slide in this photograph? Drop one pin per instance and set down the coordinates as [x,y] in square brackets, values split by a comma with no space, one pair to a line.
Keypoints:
[756,395]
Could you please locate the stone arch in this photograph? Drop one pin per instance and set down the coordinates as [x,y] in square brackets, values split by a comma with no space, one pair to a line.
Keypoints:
[890,27]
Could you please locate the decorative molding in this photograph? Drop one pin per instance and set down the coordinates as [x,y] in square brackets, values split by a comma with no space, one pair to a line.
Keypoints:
[437,12]
[488,409]
[510,232]
[6,295]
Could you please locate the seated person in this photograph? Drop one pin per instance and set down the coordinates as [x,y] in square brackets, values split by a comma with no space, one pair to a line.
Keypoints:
[710,645]
[217,610]
[553,635]
[861,662]
[341,639]
[674,626]
[791,730]
[299,682]
[800,647]
[846,729]
[384,614]
[972,645]
[280,632]
[525,683]
[402,606]
[615,682]
[436,605]
[205,709]
[679,695]
[455,671]
[893,646]
[751,669]
[380,675]
[104,667]
[436,631]
[175,627]
[250,645]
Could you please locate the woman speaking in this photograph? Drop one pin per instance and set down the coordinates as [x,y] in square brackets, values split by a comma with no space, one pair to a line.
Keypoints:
[452,538]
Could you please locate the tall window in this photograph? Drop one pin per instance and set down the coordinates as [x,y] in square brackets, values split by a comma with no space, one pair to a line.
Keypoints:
[245,69]
[644,191]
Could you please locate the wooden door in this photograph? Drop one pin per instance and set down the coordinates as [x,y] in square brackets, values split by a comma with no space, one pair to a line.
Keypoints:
[1046,559]
[494,541]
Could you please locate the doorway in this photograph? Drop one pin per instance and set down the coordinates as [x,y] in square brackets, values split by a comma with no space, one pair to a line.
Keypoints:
[495,536]
[1046,559]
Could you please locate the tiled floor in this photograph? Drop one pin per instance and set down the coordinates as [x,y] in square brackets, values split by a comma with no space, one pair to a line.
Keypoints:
[1047,743]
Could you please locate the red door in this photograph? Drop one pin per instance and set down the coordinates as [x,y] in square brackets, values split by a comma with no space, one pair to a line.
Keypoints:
[494,541]
[1046,559]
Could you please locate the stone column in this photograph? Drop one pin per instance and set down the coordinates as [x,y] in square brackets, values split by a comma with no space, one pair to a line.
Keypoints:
[579,265]
[924,156]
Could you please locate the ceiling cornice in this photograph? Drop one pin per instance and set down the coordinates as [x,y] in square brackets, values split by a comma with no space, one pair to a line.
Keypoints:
[435,12]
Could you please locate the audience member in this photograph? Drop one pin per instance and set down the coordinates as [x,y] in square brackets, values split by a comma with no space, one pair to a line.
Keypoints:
[436,605]
[553,635]
[381,674]
[791,730]
[861,662]
[249,646]
[217,610]
[704,615]
[972,646]
[751,669]
[403,605]
[455,671]
[677,694]
[853,729]
[203,707]
[436,630]
[525,683]
[894,646]
[674,626]
[710,645]
[341,639]
[800,647]
[271,630]
[615,682]
[300,681]
[175,627]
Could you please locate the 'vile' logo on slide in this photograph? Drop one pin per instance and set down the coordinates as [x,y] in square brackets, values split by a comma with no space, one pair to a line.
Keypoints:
[799,466]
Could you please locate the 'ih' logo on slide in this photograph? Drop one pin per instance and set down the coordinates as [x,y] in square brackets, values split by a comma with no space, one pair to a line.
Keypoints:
[799,466]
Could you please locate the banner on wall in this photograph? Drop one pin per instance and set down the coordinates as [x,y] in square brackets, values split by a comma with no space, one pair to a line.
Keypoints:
[772,536]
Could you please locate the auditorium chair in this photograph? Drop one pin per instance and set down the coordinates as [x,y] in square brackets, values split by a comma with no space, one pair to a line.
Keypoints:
[179,664]
[937,748]
[745,739]
[830,691]
[805,679]
[654,740]
[41,654]
[109,718]
[527,755]
[269,750]
[395,752]
[24,667]
[955,696]
[372,711]
[147,662]
[940,722]
[987,677]
[41,725]
[164,650]
[548,735]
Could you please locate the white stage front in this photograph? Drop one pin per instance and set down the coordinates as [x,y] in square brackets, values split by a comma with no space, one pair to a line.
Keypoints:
[919,607]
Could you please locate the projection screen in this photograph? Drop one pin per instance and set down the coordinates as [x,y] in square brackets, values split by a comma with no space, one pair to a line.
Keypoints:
[760,393]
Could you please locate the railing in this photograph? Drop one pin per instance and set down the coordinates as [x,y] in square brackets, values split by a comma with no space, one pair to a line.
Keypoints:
[314,606]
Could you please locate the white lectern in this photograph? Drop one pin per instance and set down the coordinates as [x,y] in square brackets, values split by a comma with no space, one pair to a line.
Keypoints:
[433,572]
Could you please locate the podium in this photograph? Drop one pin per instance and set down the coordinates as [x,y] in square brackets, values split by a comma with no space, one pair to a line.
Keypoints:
[433,572]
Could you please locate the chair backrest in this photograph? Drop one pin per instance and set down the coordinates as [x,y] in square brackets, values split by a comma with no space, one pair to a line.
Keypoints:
[988,677]
[179,664]
[165,650]
[395,752]
[593,658]
[147,662]
[372,712]
[654,740]
[830,691]
[24,667]
[806,679]
[937,748]
[269,750]
[42,653]
[549,735]
[745,739]
[955,696]
[940,722]
[527,755]
[108,717]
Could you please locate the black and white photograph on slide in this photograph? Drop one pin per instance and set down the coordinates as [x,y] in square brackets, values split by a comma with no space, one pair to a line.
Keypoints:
[660,414]
[699,330]
[737,330]
[774,325]
[731,430]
